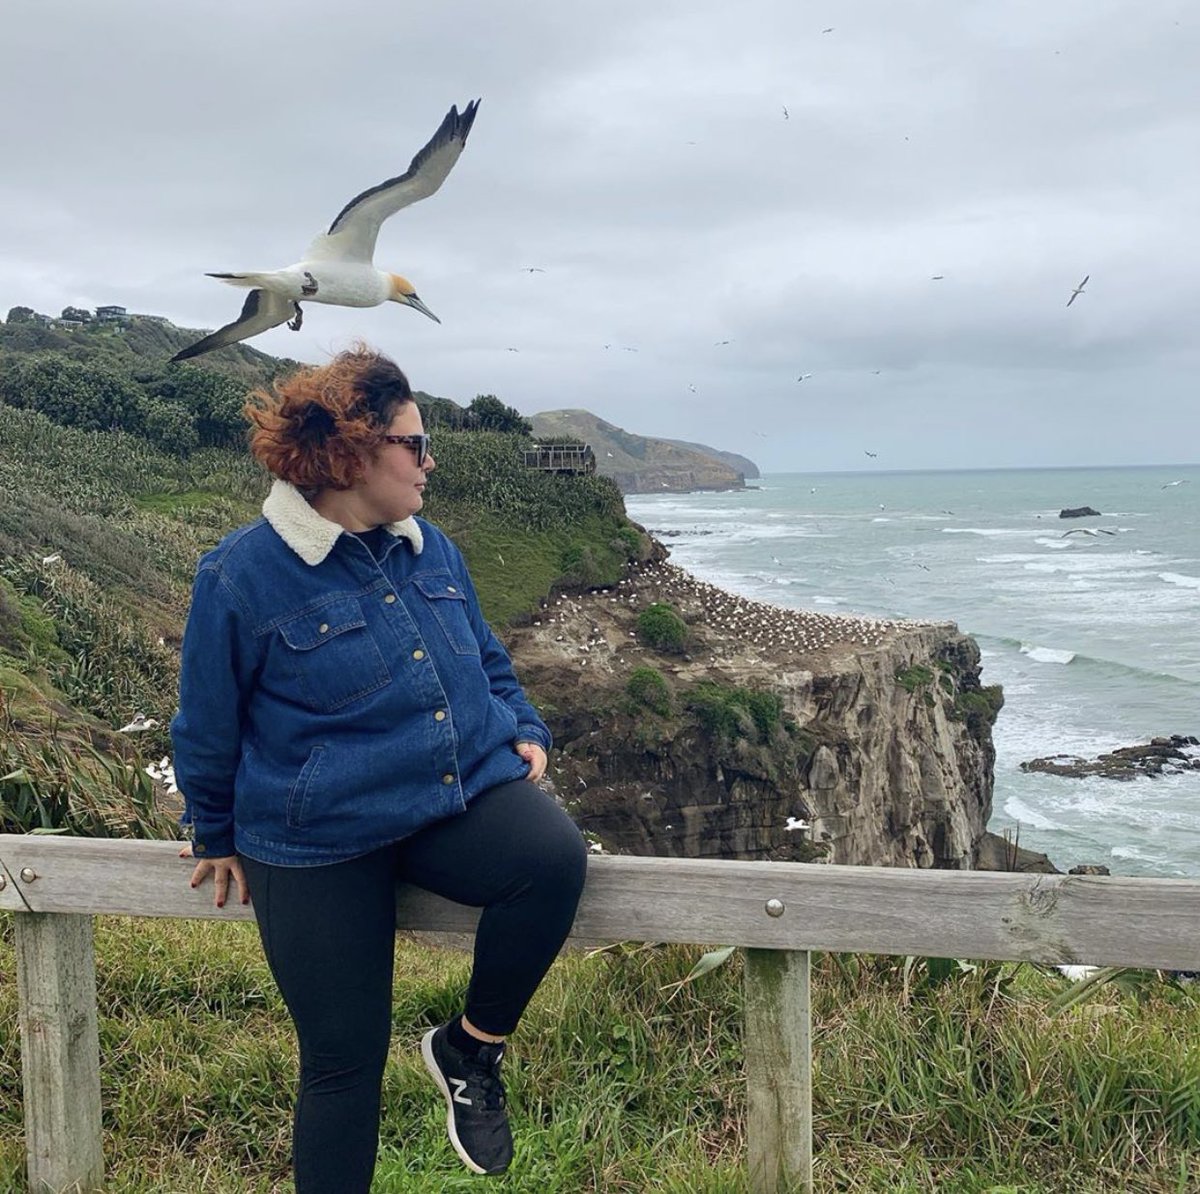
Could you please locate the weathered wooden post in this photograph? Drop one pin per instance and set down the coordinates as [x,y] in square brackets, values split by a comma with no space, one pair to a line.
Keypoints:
[60,1047]
[779,1070]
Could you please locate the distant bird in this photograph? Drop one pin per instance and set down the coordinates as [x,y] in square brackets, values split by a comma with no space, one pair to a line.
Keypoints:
[628,349]
[1087,531]
[796,823]
[1078,290]
[804,376]
[337,267]
[720,342]
[692,389]
[1168,485]
[938,278]
[514,350]
[829,30]
[139,724]
[877,372]
[785,113]
[761,434]
[872,455]
[48,560]
[608,453]
[532,269]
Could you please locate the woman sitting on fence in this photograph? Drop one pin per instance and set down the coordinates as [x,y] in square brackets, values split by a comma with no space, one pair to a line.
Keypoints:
[348,719]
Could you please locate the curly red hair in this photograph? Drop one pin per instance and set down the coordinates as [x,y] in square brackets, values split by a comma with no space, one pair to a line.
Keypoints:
[317,426]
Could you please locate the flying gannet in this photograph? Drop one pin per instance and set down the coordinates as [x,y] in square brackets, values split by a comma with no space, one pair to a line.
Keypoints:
[1078,290]
[337,267]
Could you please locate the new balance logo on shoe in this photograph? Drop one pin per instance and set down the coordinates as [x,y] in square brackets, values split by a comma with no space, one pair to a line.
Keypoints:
[476,1121]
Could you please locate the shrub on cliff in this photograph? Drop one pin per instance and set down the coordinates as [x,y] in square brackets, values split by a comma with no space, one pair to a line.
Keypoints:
[736,712]
[979,707]
[660,627]
[647,686]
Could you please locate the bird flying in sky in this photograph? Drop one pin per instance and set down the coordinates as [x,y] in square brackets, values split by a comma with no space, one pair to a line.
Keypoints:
[338,266]
[1078,290]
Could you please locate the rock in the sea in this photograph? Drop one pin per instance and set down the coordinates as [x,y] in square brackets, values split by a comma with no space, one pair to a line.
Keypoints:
[1089,868]
[1160,756]
[1078,512]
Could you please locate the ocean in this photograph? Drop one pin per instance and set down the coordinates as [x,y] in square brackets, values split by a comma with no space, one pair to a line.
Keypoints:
[1094,637]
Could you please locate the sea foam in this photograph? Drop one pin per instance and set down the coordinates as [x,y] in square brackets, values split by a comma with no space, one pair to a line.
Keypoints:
[1047,654]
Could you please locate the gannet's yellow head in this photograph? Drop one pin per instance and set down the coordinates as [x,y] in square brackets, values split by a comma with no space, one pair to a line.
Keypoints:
[404,292]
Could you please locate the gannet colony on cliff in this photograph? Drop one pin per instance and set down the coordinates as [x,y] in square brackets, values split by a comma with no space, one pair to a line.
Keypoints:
[338,266]
[746,622]
[760,624]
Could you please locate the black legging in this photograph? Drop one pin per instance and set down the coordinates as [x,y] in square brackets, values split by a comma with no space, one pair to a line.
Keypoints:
[329,936]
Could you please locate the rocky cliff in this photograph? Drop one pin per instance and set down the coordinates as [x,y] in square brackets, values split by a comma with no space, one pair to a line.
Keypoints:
[773,734]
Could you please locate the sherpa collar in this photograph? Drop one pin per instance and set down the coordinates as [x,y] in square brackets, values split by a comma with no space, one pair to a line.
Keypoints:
[312,536]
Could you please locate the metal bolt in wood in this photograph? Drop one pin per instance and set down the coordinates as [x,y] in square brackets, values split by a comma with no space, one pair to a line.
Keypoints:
[774,907]
[28,874]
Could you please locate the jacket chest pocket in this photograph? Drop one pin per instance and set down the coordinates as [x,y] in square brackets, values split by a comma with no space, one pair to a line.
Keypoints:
[448,603]
[333,655]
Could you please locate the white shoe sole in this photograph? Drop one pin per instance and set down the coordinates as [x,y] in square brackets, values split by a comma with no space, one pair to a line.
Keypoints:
[436,1074]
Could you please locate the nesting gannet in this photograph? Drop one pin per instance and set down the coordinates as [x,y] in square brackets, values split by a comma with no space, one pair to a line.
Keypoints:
[1078,290]
[138,725]
[338,267]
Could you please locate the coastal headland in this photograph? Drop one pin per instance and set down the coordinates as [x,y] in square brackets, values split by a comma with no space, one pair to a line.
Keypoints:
[878,752]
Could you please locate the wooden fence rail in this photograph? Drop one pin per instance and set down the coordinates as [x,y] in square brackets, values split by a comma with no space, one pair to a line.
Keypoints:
[778,911]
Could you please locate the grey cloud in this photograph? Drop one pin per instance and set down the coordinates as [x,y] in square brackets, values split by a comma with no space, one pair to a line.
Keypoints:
[1010,147]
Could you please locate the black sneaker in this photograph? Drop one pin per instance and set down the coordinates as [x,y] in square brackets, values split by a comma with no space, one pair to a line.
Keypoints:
[474,1094]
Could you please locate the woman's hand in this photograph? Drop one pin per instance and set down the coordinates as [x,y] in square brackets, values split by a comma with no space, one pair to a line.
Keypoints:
[535,757]
[220,869]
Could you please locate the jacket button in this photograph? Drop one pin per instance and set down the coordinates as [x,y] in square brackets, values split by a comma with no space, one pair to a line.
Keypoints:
[447,779]
[389,599]
[440,715]
[418,654]
[451,589]
[323,628]
[198,848]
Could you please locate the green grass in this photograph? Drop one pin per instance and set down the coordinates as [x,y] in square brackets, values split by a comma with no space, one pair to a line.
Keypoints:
[962,1085]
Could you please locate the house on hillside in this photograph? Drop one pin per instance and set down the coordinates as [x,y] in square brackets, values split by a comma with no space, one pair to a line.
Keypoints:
[561,458]
[110,314]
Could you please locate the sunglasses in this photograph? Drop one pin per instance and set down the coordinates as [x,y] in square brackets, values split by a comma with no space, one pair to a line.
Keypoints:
[418,442]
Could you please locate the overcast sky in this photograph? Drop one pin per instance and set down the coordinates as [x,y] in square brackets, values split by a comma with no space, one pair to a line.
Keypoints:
[639,154]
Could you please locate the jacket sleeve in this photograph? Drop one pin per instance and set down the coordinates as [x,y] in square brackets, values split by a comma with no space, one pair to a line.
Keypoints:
[216,676]
[498,666]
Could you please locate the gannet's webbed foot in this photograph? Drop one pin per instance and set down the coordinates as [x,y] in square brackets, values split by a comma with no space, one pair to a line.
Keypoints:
[294,324]
[310,286]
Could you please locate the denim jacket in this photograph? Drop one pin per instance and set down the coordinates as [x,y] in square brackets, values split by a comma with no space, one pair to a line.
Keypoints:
[331,702]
